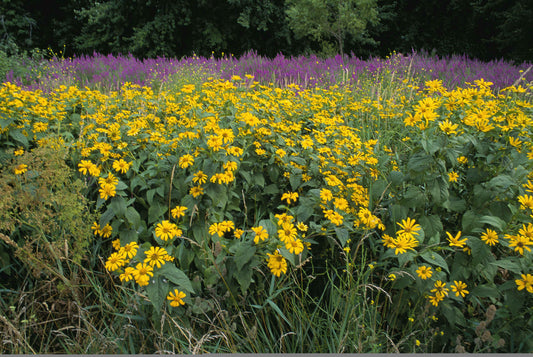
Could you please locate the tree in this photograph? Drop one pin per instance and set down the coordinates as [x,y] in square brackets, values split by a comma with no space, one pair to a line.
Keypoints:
[324,20]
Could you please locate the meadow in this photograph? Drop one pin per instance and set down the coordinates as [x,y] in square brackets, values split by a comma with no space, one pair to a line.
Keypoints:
[285,205]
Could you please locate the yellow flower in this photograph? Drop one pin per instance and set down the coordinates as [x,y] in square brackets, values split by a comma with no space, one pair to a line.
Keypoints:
[238,233]
[115,261]
[142,273]
[20,169]
[216,228]
[166,230]
[302,227]
[287,233]
[295,246]
[519,243]
[525,283]
[409,226]
[403,242]
[455,241]
[387,241]
[260,234]
[155,256]
[334,217]
[176,298]
[106,231]
[289,196]
[199,178]
[107,190]
[19,152]
[127,275]
[196,191]
[526,201]
[424,272]
[490,237]
[459,288]
[447,127]
[178,211]
[462,160]
[129,250]
[434,300]
[96,229]
[277,264]
[186,161]
[121,166]
[110,180]
[453,176]
[84,166]
[440,289]
[226,226]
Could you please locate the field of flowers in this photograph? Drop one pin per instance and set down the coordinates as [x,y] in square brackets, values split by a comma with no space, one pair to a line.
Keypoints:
[254,205]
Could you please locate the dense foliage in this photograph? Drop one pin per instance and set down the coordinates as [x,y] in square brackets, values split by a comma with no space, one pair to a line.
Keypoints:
[484,29]
[383,212]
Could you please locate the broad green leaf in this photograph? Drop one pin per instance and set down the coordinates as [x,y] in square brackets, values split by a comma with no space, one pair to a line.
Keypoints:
[343,235]
[157,291]
[107,216]
[435,259]
[271,189]
[133,216]
[259,179]
[118,205]
[305,209]
[218,195]
[419,162]
[176,276]
[244,278]
[127,236]
[431,225]
[494,221]
[18,136]
[507,264]
[485,290]
[500,182]
[244,254]
[156,212]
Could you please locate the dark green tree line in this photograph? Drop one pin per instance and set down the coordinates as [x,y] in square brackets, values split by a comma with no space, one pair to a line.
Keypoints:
[485,29]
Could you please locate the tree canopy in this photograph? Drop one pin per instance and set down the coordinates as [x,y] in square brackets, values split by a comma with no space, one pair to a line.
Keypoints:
[485,29]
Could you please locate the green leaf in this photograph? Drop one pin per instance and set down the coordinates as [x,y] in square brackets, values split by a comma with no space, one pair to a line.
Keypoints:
[435,259]
[453,314]
[18,136]
[343,235]
[259,179]
[118,205]
[295,180]
[133,216]
[507,264]
[218,195]
[484,290]
[494,221]
[107,216]
[244,278]
[176,276]
[500,182]
[431,225]
[127,236]
[470,220]
[156,212]
[413,197]
[157,291]
[305,209]
[419,162]
[271,189]
[243,254]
